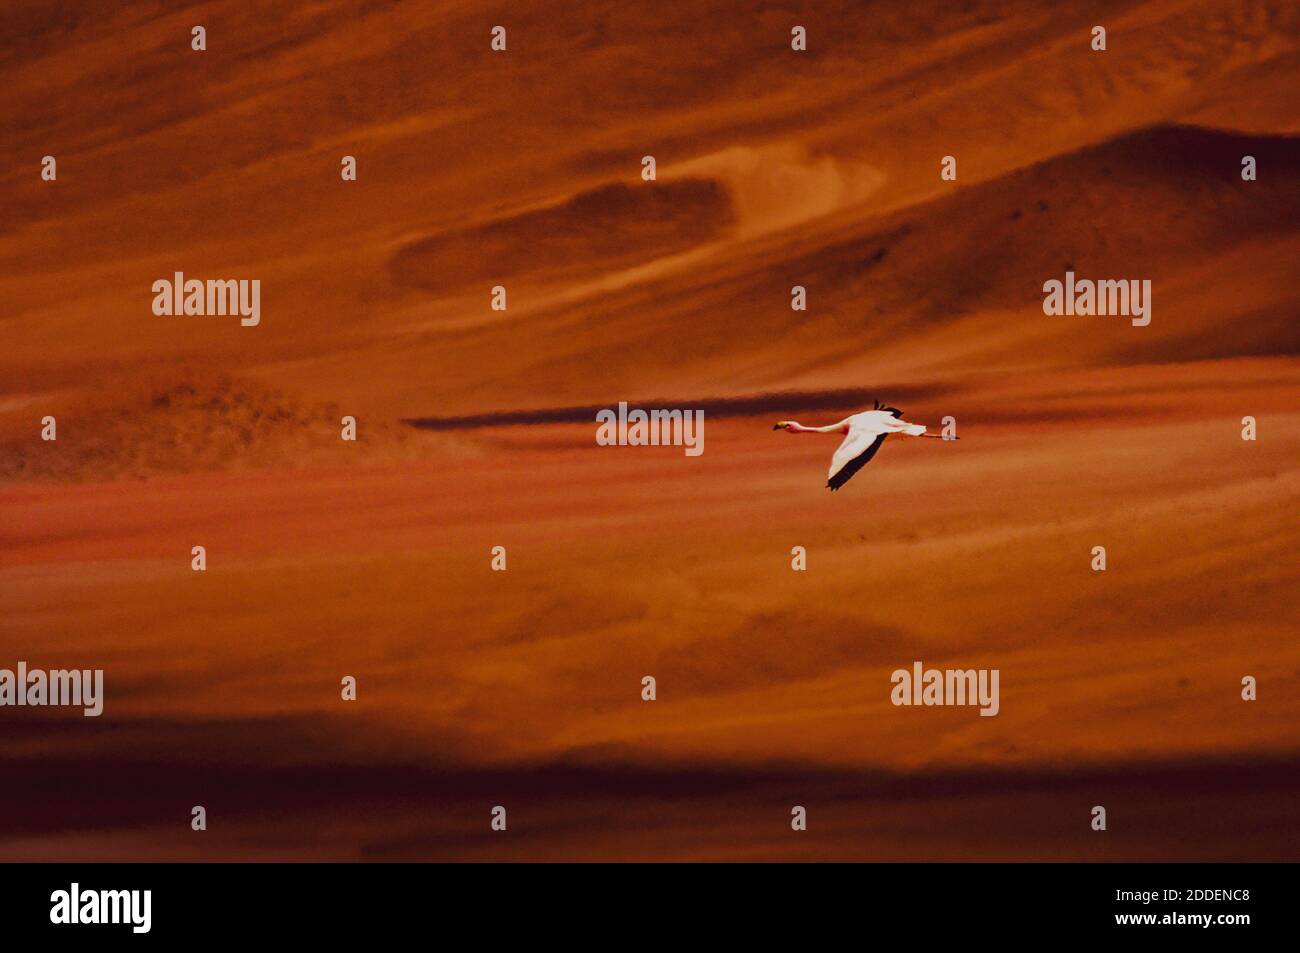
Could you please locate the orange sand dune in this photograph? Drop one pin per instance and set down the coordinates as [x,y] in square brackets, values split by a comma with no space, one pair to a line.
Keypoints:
[523,688]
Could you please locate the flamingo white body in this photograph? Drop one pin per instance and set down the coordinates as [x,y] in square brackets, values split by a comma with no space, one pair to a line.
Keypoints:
[864,434]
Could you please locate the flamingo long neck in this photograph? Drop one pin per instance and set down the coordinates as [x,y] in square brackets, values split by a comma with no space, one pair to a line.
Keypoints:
[800,428]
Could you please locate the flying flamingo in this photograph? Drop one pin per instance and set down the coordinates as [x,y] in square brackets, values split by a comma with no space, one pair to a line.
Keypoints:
[866,432]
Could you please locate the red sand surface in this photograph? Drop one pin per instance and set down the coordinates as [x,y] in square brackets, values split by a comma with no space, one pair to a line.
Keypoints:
[522,688]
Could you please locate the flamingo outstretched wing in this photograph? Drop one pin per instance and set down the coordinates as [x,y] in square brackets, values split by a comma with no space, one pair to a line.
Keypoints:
[853,454]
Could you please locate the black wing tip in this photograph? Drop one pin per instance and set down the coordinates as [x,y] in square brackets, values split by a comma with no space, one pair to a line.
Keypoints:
[892,411]
[857,463]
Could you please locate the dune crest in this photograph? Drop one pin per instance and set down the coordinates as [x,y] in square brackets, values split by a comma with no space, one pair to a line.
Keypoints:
[195,422]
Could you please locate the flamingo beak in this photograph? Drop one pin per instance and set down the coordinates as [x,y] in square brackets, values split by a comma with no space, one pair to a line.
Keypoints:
[779,426]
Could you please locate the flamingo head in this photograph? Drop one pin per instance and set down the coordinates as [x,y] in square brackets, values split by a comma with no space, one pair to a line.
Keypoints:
[784,425]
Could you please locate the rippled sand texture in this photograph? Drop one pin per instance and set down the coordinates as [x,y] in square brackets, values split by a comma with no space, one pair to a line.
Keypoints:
[522,688]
